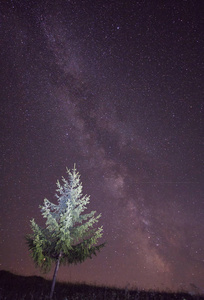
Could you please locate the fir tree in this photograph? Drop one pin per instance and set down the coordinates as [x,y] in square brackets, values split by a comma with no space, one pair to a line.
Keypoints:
[69,236]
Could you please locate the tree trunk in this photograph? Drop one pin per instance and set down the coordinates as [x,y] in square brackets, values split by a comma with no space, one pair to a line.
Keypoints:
[54,276]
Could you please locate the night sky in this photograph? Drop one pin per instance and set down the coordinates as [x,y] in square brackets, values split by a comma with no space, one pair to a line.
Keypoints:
[117,88]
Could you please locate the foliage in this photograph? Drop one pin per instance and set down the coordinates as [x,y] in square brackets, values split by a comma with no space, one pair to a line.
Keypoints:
[69,232]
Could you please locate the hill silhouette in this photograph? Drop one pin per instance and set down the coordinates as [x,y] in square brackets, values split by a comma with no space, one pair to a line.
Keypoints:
[17,287]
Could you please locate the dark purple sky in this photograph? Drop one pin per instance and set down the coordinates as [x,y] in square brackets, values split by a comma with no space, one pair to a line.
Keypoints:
[117,88]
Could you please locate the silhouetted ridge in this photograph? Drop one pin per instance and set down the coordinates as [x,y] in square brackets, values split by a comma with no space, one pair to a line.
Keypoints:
[18,287]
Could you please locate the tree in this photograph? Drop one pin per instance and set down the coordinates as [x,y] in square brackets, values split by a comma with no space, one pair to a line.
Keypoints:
[69,236]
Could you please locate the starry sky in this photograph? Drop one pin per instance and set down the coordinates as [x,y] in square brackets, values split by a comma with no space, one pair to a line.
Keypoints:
[117,88]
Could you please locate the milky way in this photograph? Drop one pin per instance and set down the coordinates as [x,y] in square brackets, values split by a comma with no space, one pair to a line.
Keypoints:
[115,87]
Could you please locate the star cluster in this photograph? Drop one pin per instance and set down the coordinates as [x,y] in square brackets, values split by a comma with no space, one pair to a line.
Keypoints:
[117,88]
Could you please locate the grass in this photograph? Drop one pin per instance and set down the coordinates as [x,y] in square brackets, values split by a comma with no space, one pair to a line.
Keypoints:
[15,287]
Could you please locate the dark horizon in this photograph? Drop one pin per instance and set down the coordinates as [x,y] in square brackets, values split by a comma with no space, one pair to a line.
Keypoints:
[117,88]
[35,281]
